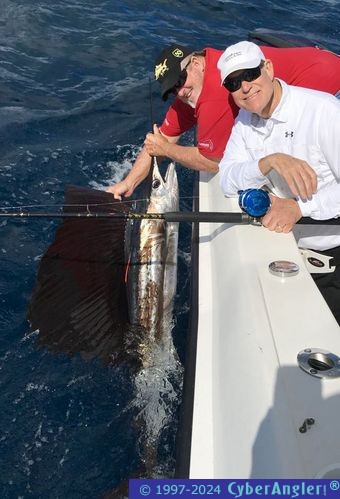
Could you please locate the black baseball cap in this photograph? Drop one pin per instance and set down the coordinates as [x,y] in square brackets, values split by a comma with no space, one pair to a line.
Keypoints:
[168,67]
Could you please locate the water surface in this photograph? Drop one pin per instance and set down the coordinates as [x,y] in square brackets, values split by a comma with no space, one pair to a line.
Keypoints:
[75,97]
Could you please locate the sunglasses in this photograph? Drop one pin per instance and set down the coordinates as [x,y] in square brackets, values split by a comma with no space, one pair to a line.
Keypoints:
[233,84]
[181,80]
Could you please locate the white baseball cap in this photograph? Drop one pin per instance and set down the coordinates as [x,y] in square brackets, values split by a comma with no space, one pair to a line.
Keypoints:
[242,55]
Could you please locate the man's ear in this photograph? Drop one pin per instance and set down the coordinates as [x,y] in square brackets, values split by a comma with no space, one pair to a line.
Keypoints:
[198,62]
[269,68]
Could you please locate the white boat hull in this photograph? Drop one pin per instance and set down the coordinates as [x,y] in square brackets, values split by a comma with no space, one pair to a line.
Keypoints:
[250,396]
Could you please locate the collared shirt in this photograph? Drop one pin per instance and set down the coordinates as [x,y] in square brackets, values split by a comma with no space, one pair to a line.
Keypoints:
[215,111]
[306,125]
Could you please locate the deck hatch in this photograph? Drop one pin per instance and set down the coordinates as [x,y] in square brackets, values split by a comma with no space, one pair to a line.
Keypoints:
[319,363]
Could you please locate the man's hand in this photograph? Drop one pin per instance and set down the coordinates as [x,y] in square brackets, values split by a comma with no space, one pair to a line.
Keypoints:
[300,177]
[283,214]
[120,189]
[155,144]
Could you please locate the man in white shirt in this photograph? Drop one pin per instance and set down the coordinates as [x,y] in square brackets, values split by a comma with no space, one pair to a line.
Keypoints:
[287,139]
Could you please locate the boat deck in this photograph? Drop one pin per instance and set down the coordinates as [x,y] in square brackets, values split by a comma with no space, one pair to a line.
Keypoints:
[251,397]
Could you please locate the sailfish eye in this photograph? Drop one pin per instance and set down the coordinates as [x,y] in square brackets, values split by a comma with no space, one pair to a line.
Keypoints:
[156,183]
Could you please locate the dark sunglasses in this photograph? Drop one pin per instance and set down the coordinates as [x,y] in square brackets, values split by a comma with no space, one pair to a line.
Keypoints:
[181,80]
[233,84]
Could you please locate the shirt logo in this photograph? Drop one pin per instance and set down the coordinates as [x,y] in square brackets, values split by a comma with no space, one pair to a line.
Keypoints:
[160,69]
[289,134]
[208,144]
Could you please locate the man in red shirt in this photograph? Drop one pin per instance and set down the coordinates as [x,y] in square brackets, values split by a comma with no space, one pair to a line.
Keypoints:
[201,100]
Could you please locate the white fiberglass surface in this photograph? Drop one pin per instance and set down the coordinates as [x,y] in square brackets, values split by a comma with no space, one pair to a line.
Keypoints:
[251,397]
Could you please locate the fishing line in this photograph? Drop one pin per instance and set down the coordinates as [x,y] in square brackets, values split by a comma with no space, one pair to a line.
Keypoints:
[60,206]
[148,180]
[151,103]
[79,205]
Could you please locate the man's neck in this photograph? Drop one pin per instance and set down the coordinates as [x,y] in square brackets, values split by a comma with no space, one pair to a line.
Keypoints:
[274,100]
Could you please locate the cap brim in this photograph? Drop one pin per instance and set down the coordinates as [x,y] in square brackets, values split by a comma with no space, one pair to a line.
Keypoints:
[250,65]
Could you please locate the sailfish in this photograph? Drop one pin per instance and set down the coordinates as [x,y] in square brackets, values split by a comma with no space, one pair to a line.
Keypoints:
[105,287]
[105,290]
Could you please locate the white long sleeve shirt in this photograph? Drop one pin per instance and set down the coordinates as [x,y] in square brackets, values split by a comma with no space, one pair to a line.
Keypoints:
[306,125]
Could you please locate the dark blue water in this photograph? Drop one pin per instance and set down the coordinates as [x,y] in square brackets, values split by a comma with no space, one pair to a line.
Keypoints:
[74,108]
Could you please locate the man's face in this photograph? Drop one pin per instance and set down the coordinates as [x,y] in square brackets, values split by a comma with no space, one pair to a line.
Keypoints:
[257,96]
[192,87]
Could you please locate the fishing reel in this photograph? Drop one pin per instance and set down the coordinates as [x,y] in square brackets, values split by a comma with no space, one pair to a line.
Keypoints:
[254,202]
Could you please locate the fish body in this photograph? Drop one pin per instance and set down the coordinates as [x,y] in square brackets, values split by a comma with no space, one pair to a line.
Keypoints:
[158,256]
[154,275]
[151,294]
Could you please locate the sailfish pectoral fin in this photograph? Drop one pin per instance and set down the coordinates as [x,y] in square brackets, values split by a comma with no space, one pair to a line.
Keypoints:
[79,304]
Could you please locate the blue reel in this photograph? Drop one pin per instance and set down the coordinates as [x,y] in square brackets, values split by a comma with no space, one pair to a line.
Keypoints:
[255,202]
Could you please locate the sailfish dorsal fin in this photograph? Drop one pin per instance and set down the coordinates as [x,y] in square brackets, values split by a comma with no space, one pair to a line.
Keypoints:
[79,303]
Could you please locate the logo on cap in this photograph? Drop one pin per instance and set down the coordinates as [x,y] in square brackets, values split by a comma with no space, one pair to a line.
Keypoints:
[160,69]
[232,55]
[177,53]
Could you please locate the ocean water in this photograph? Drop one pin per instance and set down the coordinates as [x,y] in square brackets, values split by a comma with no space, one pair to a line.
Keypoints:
[76,99]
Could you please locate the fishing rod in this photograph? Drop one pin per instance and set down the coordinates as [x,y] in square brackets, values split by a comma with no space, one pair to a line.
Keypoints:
[254,204]
[171,216]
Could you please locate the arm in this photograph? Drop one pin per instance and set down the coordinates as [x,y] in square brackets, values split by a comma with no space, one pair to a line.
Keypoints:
[240,171]
[283,214]
[214,118]
[157,144]
[325,203]
[137,174]
[142,165]
[300,177]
